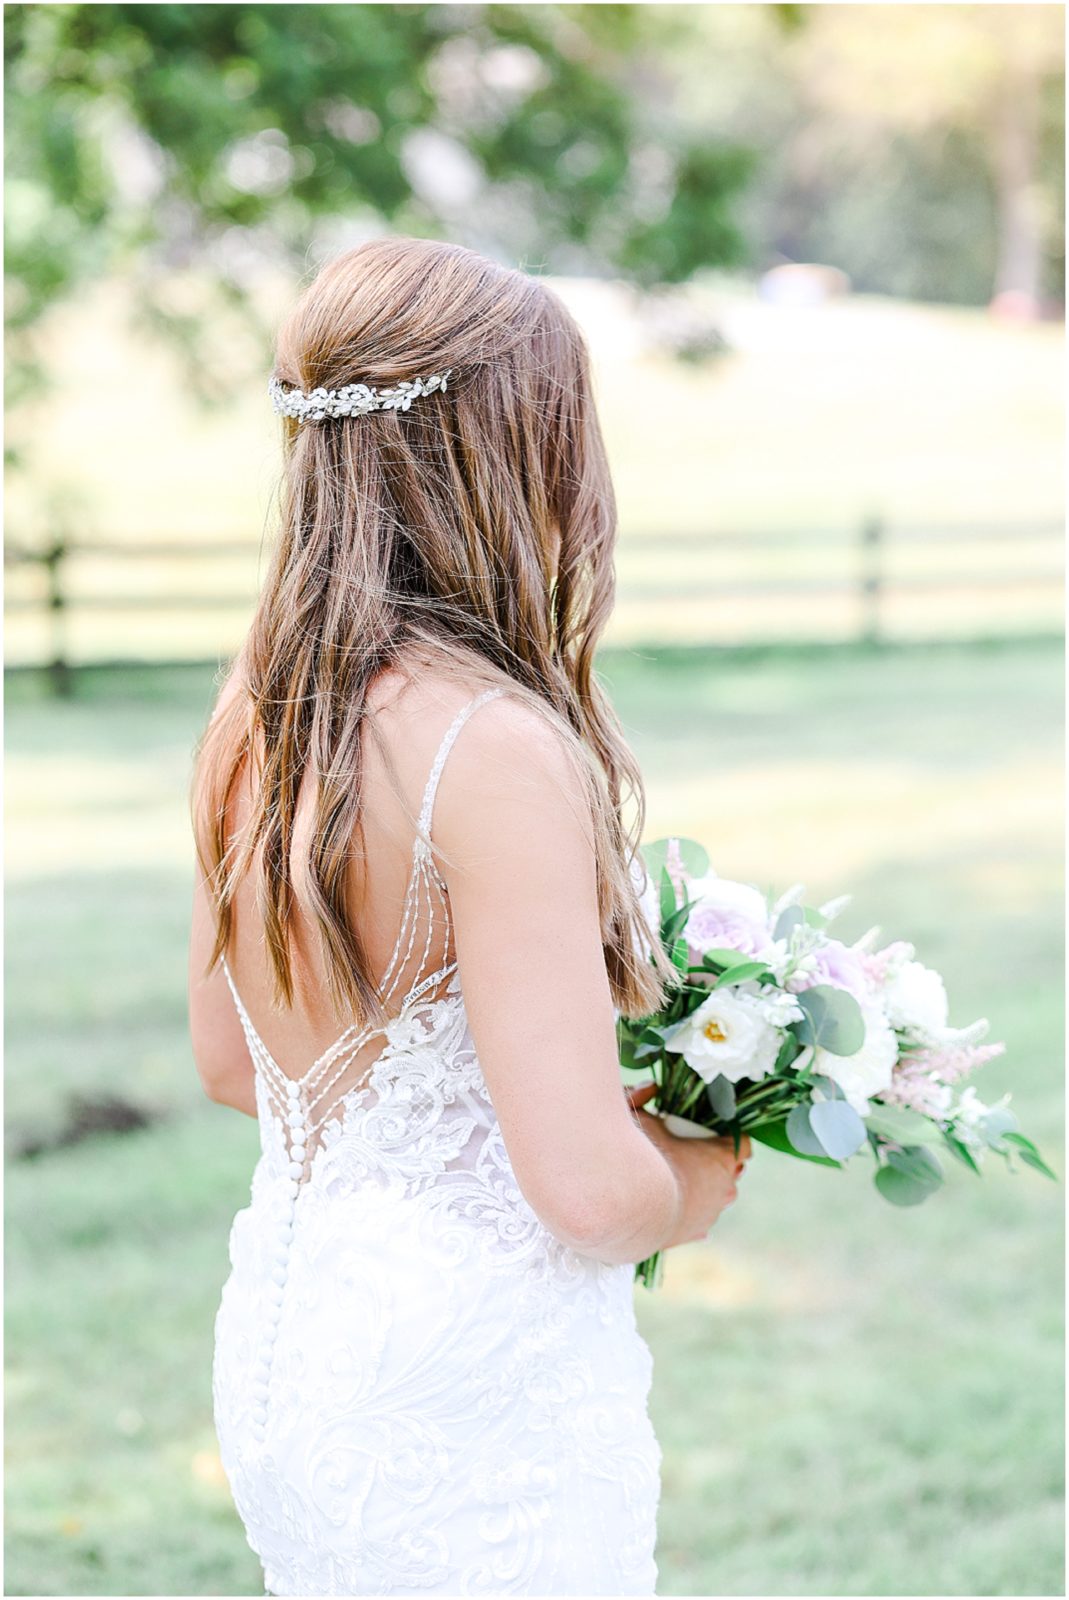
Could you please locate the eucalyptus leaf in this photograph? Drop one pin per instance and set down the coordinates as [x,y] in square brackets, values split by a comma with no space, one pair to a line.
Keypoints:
[694,856]
[791,917]
[832,1020]
[788,1052]
[916,1161]
[837,1126]
[902,1125]
[721,1096]
[801,1133]
[774,1134]
[828,1086]
[900,1188]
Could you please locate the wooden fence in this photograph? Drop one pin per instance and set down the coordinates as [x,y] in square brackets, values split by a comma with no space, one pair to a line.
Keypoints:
[861,567]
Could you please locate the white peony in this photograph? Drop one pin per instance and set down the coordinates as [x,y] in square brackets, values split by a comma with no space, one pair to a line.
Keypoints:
[916,1001]
[869,1069]
[734,1032]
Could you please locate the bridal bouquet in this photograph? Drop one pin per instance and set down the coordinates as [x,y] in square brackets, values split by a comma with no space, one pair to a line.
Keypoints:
[810,1045]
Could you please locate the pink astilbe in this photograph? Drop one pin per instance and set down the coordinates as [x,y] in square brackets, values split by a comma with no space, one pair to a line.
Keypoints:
[922,1079]
[879,964]
[955,1061]
[676,870]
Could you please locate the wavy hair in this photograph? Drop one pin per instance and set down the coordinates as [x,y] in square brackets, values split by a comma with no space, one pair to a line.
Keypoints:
[476,529]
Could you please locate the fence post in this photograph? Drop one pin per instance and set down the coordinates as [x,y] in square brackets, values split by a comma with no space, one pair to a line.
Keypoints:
[59,672]
[872,539]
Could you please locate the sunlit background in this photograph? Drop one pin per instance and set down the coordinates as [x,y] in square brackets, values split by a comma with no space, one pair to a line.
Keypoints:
[818,253]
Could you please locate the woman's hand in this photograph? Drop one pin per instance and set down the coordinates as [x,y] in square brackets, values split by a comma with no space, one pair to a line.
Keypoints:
[707,1169]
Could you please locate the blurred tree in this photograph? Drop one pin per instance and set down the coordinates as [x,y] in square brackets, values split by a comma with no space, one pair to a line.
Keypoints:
[149,137]
[919,147]
[954,76]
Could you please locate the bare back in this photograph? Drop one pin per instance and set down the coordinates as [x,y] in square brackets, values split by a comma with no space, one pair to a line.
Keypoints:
[395,897]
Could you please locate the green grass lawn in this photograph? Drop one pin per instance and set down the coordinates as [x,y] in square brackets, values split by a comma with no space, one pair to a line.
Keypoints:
[852,1399]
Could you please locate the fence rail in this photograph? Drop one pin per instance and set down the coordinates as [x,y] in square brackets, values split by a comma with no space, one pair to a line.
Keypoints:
[854,562]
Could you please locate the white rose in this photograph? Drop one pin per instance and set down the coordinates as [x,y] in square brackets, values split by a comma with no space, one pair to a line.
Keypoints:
[916,1000]
[730,1033]
[869,1069]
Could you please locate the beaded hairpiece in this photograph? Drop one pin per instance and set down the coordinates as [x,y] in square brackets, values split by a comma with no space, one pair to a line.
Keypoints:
[353,400]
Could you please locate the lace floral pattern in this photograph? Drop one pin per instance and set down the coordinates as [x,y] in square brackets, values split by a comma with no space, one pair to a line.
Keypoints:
[418,1389]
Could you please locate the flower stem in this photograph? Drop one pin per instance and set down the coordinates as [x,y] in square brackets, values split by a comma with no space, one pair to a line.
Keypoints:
[648,1272]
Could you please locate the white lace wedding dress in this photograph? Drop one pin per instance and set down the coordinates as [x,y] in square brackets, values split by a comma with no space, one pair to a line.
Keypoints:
[418,1389]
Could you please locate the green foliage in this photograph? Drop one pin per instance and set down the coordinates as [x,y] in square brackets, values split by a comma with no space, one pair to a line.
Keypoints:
[832,1020]
[838,1127]
[668,903]
[720,1094]
[902,1126]
[1029,1154]
[241,116]
[774,1134]
[742,972]
[694,856]
[910,1175]
[800,1134]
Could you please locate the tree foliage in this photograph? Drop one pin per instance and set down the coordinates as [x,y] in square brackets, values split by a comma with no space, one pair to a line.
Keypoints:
[211,133]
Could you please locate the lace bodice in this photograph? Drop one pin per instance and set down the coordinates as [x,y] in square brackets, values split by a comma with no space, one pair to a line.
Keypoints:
[418,1388]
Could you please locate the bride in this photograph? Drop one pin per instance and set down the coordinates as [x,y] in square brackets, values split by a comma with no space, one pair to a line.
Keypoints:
[414,923]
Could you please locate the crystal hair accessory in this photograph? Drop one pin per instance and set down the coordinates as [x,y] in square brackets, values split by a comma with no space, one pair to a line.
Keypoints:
[353,400]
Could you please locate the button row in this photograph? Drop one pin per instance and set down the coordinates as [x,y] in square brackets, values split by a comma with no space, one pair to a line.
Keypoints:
[279,1269]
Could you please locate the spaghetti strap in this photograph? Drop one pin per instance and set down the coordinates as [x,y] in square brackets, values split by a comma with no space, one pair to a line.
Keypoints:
[422,845]
[424,910]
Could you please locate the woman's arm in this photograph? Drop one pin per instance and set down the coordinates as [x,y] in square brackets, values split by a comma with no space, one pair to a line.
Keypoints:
[219,1049]
[512,818]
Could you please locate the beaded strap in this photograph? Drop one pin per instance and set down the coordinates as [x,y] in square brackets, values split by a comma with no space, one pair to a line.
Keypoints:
[425,901]
[440,759]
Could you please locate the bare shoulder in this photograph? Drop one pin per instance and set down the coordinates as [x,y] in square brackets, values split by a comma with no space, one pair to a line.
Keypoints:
[506,735]
[510,741]
[512,784]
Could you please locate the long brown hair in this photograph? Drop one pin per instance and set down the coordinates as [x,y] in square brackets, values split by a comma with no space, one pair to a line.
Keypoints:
[476,529]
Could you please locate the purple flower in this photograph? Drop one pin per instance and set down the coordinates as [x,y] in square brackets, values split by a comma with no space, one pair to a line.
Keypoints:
[835,963]
[728,916]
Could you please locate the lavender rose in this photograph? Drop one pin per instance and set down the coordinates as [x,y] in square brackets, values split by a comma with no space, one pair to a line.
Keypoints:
[728,916]
[835,963]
